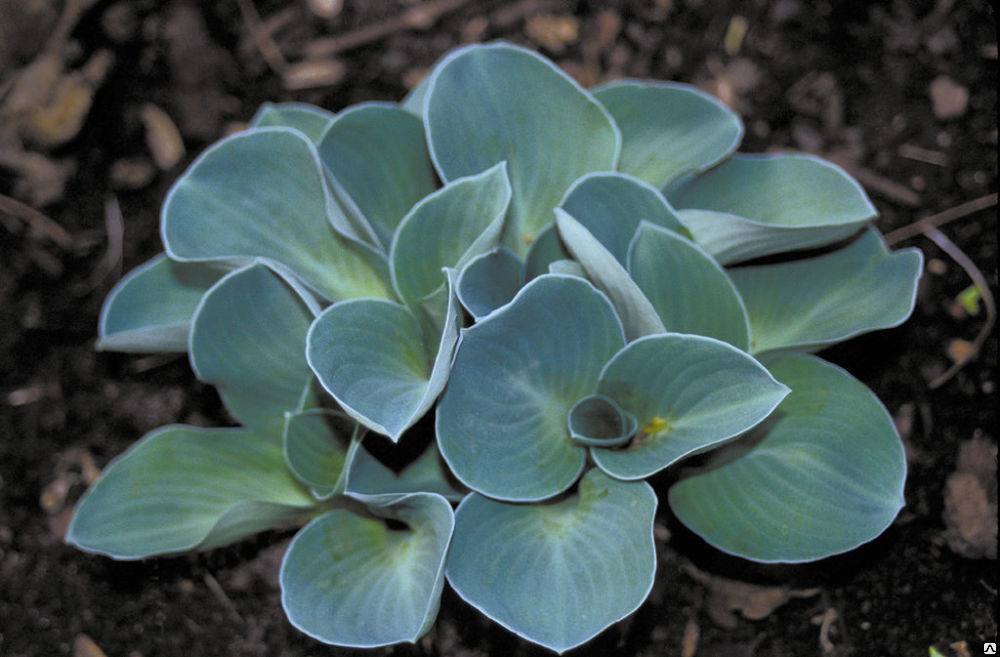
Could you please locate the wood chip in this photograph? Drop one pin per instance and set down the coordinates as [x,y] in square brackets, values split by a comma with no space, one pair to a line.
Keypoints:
[949,99]
[162,137]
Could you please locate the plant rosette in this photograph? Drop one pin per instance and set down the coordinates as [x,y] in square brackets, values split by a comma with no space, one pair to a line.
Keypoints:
[583,288]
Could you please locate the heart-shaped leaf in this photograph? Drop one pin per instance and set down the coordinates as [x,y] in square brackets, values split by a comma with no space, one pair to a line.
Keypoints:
[183,488]
[688,393]
[501,423]
[234,205]
[689,290]
[612,205]
[248,339]
[489,281]
[557,573]
[669,129]
[307,119]
[476,115]
[150,309]
[348,579]
[637,313]
[373,357]
[755,205]
[447,229]
[811,303]
[822,476]
[376,154]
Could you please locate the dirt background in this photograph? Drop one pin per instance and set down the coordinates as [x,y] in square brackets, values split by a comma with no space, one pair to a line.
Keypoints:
[103,103]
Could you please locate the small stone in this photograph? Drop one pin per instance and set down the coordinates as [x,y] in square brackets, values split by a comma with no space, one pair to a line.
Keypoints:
[949,99]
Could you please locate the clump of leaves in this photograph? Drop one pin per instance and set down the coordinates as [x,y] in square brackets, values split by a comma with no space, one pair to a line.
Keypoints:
[583,287]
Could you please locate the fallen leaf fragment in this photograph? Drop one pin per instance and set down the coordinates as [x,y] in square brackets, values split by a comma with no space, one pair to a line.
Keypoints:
[949,99]
[84,646]
[970,501]
[162,137]
[753,601]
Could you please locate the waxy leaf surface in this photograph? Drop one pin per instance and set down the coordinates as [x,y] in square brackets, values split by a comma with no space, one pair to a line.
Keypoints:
[248,339]
[810,303]
[690,292]
[687,393]
[350,580]
[489,281]
[495,103]
[233,205]
[377,156]
[821,476]
[182,488]
[150,308]
[557,573]
[373,357]
[307,119]
[638,315]
[447,229]
[612,205]
[669,129]
[755,205]
[501,423]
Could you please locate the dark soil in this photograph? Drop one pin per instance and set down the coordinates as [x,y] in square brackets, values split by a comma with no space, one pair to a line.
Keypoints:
[903,94]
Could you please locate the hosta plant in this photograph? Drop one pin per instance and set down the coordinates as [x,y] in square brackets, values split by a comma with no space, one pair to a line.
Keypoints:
[549,294]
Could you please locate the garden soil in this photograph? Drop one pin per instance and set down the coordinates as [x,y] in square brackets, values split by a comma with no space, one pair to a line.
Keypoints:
[102,104]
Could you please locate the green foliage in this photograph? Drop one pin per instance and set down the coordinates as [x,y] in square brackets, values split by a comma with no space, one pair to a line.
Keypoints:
[549,294]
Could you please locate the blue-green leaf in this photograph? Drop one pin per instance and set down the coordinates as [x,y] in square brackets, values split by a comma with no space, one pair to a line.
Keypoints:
[447,229]
[150,309]
[248,340]
[598,421]
[557,573]
[426,474]
[235,204]
[317,452]
[545,249]
[756,205]
[688,393]
[636,312]
[689,290]
[808,304]
[822,476]
[376,154]
[373,357]
[349,580]
[501,423]
[489,281]
[669,129]
[476,116]
[183,488]
[612,205]
[307,119]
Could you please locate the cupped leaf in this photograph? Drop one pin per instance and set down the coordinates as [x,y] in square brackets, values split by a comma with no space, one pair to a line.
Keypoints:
[815,302]
[317,451]
[447,229]
[376,154]
[688,393]
[637,313]
[248,339]
[755,205]
[612,205]
[501,423]
[150,309]
[822,476]
[476,115]
[669,129]
[350,580]
[597,420]
[557,573]
[234,205]
[184,488]
[689,290]
[371,355]
[489,281]
[308,119]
